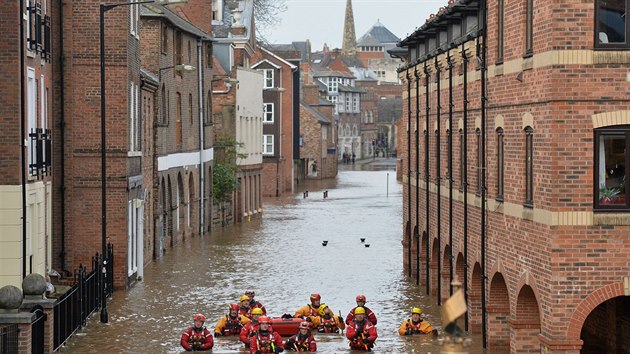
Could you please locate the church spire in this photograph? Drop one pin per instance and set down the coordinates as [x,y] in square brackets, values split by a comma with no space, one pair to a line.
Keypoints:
[349,47]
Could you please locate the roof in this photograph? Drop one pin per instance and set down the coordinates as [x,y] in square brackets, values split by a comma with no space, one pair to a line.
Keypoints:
[345,88]
[159,11]
[320,117]
[328,73]
[378,33]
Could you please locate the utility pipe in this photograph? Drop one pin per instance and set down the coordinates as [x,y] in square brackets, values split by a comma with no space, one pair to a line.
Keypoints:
[465,174]
[427,176]
[62,145]
[409,170]
[417,234]
[450,169]
[484,277]
[202,167]
[23,136]
[438,182]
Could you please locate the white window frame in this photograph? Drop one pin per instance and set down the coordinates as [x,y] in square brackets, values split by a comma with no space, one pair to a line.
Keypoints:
[132,117]
[333,84]
[134,20]
[31,108]
[268,113]
[348,102]
[355,103]
[268,78]
[268,144]
[134,230]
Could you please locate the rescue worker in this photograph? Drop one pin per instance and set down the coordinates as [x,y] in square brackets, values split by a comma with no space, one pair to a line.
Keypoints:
[303,341]
[368,313]
[266,341]
[330,322]
[415,325]
[251,329]
[230,324]
[312,314]
[244,308]
[253,304]
[361,333]
[197,337]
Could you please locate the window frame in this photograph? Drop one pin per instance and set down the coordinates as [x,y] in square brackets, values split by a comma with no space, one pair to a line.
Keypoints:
[529,28]
[598,133]
[267,144]
[500,164]
[529,167]
[596,31]
[267,113]
[268,75]
[164,48]
[500,30]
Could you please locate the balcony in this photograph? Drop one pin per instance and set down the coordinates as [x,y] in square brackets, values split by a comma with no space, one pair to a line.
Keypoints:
[40,153]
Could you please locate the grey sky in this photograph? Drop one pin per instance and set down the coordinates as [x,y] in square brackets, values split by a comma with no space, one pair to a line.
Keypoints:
[321,21]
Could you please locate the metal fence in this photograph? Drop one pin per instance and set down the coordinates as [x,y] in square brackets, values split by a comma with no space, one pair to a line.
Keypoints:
[9,339]
[37,331]
[75,306]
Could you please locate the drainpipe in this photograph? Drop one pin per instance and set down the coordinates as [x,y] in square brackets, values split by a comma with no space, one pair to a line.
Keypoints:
[450,169]
[408,168]
[417,235]
[23,136]
[484,277]
[427,176]
[202,167]
[465,175]
[438,183]
[62,145]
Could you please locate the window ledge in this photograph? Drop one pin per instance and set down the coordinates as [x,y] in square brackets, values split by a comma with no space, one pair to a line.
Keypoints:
[134,153]
[612,219]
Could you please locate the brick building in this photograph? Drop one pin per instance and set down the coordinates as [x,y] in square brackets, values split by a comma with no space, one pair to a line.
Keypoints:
[26,187]
[280,86]
[179,54]
[515,158]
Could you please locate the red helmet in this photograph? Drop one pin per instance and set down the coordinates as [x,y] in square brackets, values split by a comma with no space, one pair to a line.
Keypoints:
[305,325]
[199,317]
[361,298]
[234,307]
[316,297]
[250,293]
[263,319]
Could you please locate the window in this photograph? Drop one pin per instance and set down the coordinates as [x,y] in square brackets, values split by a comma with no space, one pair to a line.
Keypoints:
[500,164]
[134,17]
[461,160]
[209,54]
[164,39]
[132,117]
[611,26]
[612,159]
[31,110]
[348,102]
[268,78]
[529,167]
[267,144]
[178,119]
[529,28]
[333,84]
[190,108]
[268,113]
[355,103]
[209,108]
[479,161]
[164,111]
[178,56]
[217,10]
[500,17]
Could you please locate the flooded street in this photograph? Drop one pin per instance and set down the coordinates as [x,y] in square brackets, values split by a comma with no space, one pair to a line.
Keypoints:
[282,259]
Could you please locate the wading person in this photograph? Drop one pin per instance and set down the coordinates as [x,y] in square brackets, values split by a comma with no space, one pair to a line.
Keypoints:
[361,332]
[368,313]
[253,304]
[251,329]
[197,337]
[416,325]
[329,322]
[303,341]
[312,313]
[230,324]
[244,306]
[266,341]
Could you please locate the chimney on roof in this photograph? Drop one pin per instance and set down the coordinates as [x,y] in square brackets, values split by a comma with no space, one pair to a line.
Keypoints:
[311,94]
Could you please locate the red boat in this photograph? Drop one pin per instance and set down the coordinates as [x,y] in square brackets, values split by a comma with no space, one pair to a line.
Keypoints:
[286,326]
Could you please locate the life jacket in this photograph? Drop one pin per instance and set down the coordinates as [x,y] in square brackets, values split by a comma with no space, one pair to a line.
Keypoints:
[197,337]
[314,311]
[300,344]
[329,325]
[358,342]
[233,326]
[265,342]
[415,328]
[247,313]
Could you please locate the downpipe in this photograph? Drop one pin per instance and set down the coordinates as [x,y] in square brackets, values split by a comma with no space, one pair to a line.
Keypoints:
[427,176]
[409,170]
[465,176]
[417,234]
[450,169]
[484,276]
[438,178]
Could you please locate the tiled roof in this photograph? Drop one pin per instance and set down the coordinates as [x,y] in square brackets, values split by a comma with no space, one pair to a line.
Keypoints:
[159,11]
[379,33]
[322,118]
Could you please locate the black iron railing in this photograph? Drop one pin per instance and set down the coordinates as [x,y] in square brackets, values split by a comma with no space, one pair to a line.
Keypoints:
[40,163]
[8,339]
[75,306]
[37,331]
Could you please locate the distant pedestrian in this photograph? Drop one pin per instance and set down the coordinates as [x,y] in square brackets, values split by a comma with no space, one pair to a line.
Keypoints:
[353,157]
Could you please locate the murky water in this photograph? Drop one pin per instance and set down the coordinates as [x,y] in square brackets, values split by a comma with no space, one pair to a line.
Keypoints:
[282,259]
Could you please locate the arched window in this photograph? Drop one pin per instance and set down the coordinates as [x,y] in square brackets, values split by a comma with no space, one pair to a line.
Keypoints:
[500,164]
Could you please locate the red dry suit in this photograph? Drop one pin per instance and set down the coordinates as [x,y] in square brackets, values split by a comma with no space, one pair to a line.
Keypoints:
[267,342]
[197,339]
[250,330]
[361,335]
[369,314]
[301,343]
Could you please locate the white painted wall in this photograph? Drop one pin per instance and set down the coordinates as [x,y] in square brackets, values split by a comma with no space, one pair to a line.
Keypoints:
[249,113]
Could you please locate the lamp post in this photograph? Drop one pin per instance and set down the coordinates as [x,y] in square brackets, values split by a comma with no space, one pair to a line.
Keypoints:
[103,9]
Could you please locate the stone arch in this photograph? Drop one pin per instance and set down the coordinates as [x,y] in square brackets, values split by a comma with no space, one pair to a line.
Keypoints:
[474,298]
[528,120]
[498,313]
[423,256]
[446,272]
[460,267]
[587,305]
[499,122]
[606,328]
[407,246]
[169,212]
[192,203]
[610,118]
[433,266]
[180,206]
[526,322]
[477,123]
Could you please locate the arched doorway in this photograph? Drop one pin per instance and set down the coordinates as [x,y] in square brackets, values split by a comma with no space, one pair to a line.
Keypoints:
[474,299]
[498,312]
[607,327]
[181,223]
[526,325]
[423,257]
[192,205]
[169,212]
[433,266]
[446,273]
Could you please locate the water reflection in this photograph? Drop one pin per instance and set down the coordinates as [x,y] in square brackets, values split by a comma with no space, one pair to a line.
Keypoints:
[282,259]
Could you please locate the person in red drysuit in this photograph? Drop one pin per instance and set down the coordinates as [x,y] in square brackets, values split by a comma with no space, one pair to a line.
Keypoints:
[197,337]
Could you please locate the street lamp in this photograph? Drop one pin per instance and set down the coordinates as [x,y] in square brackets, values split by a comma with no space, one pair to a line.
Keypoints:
[179,67]
[103,9]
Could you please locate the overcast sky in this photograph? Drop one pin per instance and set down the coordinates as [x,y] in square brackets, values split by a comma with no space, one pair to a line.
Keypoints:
[321,21]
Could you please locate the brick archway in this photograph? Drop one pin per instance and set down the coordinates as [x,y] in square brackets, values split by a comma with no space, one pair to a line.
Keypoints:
[433,266]
[474,299]
[498,311]
[526,322]
[587,305]
[446,272]
[423,257]
[407,247]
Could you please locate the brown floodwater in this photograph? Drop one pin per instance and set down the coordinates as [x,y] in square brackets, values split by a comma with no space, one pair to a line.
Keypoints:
[282,259]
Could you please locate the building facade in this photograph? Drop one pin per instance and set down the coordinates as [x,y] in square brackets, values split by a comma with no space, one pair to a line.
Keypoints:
[515,170]
[26,183]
